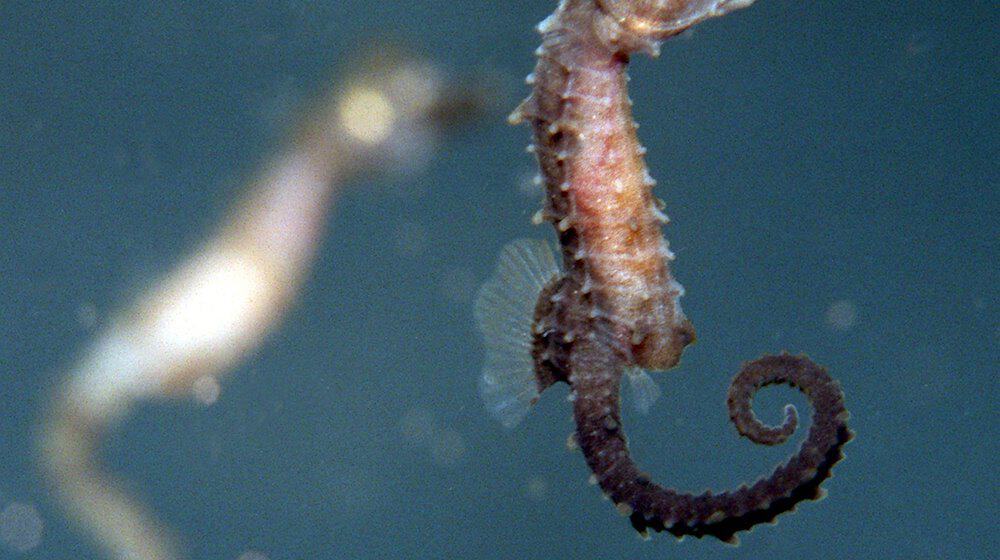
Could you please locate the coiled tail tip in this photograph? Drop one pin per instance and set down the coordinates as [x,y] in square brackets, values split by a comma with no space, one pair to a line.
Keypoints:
[723,515]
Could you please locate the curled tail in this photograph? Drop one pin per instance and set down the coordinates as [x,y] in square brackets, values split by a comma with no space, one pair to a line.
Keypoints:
[598,370]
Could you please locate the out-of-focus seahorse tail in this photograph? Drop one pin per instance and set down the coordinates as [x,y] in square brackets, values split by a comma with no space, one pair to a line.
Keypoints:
[209,312]
[95,499]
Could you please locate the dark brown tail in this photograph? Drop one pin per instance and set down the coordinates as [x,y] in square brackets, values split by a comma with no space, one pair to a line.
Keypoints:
[651,506]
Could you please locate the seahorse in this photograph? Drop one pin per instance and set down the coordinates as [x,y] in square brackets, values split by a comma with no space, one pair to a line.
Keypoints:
[613,306]
[215,307]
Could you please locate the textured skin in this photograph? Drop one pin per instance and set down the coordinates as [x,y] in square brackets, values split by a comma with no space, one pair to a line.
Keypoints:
[601,437]
[617,304]
[599,195]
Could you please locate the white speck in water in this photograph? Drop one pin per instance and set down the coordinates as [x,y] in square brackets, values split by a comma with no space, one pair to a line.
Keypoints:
[529,183]
[841,315]
[21,526]
[206,390]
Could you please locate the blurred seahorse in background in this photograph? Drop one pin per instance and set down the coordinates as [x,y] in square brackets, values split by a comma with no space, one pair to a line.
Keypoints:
[614,307]
[209,312]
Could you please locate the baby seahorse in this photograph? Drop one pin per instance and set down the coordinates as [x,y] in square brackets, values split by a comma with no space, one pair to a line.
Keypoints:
[614,307]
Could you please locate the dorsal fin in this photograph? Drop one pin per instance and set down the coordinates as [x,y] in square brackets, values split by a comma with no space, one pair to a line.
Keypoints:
[643,390]
[504,310]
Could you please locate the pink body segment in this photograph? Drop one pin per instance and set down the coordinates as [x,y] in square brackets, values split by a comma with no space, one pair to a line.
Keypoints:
[599,193]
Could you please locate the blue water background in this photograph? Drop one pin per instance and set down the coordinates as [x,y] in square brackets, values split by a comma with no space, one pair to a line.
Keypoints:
[811,154]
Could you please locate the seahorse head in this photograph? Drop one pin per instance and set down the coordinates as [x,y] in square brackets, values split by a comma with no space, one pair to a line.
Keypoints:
[642,24]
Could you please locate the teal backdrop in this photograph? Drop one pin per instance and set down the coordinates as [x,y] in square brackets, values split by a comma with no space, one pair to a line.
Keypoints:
[830,169]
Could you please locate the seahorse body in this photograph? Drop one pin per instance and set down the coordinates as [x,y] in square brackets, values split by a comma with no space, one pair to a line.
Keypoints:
[598,192]
[616,306]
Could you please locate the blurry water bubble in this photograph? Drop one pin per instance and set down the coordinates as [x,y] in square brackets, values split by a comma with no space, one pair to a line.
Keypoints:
[919,43]
[536,488]
[841,315]
[448,447]
[253,555]
[418,425]
[411,239]
[206,390]
[21,526]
